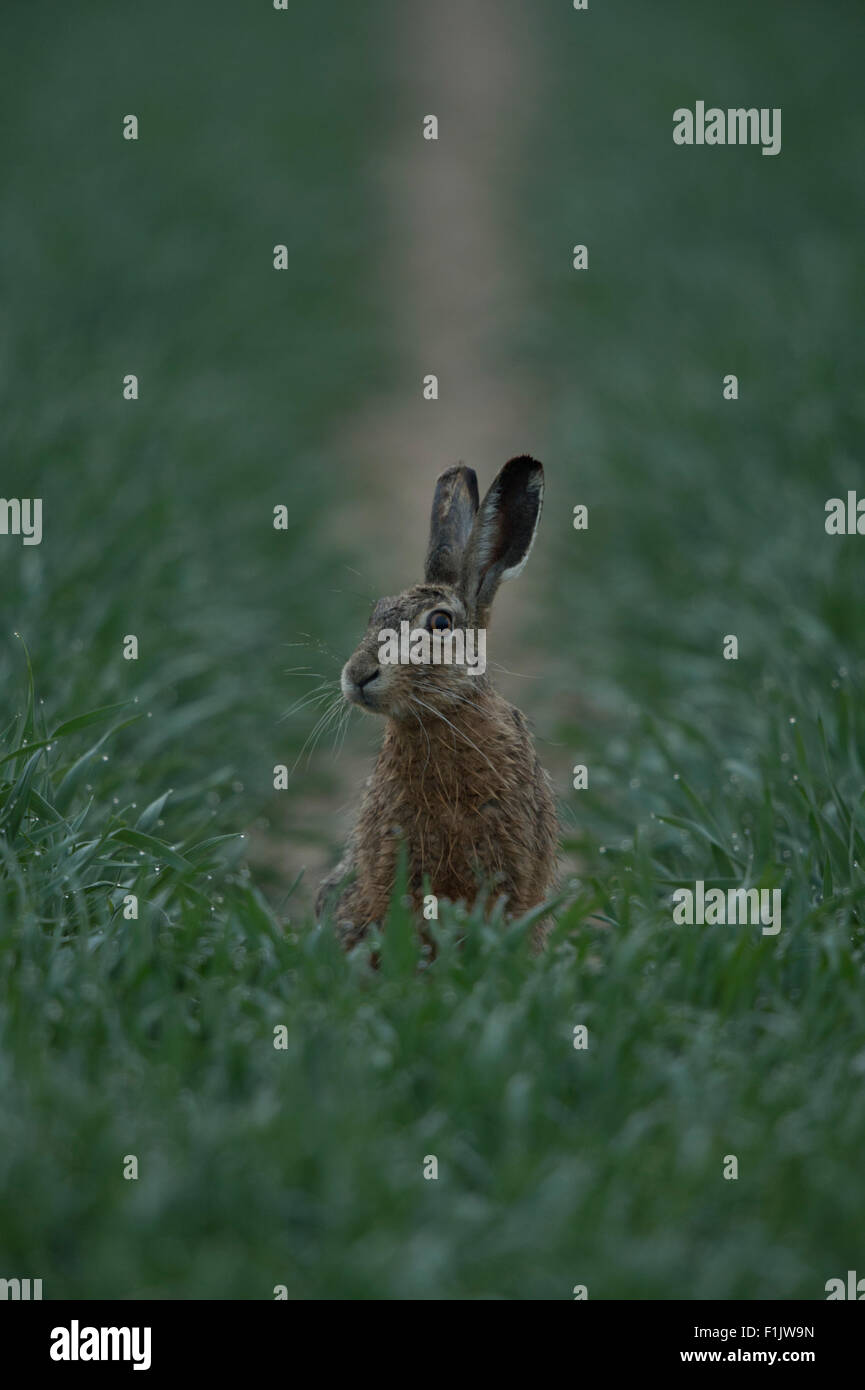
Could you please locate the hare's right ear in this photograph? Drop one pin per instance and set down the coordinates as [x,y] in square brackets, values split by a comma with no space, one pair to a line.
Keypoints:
[504,531]
[454,508]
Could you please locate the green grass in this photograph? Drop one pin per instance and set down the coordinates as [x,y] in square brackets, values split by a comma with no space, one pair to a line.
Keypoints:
[302,1166]
[154,1037]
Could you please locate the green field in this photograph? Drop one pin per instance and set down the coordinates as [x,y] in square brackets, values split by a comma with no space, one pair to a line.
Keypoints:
[303,1166]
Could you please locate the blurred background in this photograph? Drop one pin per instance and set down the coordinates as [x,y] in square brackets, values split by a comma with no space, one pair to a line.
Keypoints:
[303,388]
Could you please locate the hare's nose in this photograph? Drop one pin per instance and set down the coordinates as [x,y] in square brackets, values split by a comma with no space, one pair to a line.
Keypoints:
[360,687]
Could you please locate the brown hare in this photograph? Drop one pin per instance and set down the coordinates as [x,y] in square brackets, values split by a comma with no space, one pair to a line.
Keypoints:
[457,778]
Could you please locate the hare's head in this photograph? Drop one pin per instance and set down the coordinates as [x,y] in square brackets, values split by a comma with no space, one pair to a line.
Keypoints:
[427,646]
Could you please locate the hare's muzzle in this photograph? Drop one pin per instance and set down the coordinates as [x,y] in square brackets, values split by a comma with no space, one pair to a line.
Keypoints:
[360,686]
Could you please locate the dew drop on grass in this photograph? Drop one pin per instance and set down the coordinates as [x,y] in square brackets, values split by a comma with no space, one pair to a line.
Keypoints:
[792,719]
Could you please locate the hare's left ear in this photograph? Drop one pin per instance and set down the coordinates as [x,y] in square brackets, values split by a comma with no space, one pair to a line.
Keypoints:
[504,531]
[454,508]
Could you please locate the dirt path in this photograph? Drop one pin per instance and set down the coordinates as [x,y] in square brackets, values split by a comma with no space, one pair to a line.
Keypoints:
[447,270]
[457,306]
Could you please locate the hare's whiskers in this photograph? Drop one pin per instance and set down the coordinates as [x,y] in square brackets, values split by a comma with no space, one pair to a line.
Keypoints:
[304,704]
[310,698]
[318,729]
[523,675]
[452,695]
[307,740]
[457,731]
[317,644]
[342,730]
[325,724]
[426,736]
[369,597]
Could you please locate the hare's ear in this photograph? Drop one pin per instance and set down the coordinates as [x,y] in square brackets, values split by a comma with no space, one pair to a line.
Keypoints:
[504,531]
[453,511]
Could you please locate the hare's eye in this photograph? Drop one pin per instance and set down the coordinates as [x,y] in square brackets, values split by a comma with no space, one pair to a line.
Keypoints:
[439,621]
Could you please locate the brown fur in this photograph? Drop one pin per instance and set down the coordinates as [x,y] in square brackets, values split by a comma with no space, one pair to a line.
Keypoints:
[457,778]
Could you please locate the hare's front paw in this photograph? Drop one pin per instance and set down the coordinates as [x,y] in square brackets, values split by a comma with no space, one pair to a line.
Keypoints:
[330,886]
[349,933]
